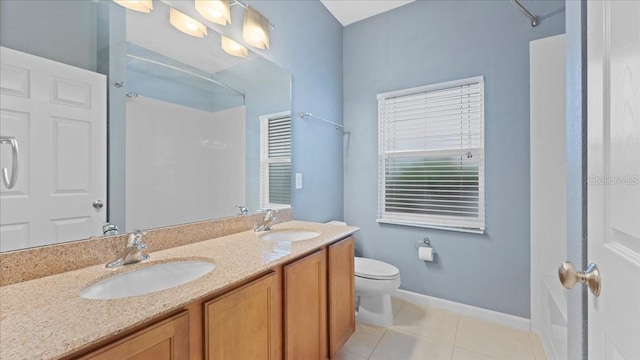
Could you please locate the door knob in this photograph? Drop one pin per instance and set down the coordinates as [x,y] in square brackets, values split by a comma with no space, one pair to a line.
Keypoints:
[98,204]
[569,276]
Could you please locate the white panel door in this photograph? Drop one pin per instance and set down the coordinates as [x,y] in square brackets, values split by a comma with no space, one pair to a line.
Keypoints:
[613,45]
[58,114]
[548,191]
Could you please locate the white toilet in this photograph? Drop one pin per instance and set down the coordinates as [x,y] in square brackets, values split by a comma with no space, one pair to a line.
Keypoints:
[375,281]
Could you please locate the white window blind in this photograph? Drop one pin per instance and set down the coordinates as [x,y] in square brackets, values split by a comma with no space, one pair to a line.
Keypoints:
[431,156]
[275,161]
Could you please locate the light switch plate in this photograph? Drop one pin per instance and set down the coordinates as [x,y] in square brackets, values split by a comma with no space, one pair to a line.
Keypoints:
[298,181]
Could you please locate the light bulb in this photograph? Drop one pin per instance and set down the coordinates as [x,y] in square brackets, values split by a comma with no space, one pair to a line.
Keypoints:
[233,48]
[186,24]
[257,34]
[191,26]
[144,6]
[216,11]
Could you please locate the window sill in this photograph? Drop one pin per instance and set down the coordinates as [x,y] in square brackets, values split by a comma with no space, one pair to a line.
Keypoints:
[429,226]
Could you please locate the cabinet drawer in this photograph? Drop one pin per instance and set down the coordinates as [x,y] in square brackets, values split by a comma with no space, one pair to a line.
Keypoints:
[168,339]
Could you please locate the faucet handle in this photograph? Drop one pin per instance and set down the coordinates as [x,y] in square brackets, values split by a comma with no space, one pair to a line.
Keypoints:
[243,210]
[135,237]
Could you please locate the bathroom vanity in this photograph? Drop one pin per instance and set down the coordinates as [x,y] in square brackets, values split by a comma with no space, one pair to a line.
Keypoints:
[264,300]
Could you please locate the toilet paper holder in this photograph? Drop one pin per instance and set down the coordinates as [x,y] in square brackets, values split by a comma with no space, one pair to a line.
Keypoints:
[426,243]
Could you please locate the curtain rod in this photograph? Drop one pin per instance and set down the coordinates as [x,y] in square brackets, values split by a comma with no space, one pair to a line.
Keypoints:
[533,18]
[187,72]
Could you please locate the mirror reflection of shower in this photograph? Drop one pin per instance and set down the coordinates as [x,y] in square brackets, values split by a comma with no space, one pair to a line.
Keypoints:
[188,129]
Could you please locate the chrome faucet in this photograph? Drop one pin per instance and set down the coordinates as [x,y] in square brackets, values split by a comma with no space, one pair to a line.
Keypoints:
[133,250]
[243,210]
[267,222]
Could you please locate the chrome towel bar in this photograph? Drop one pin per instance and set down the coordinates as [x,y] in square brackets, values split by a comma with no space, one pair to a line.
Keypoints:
[304,115]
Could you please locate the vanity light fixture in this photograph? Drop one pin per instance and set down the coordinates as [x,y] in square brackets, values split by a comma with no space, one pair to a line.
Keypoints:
[217,11]
[144,6]
[233,48]
[187,24]
[255,28]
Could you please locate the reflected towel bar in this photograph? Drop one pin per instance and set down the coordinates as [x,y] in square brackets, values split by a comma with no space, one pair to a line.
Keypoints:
[304,115]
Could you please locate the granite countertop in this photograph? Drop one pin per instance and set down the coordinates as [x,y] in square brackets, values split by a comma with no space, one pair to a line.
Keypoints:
[46,318]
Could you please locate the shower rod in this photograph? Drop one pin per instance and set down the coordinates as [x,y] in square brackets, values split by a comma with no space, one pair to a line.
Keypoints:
[188,73]
[533,18]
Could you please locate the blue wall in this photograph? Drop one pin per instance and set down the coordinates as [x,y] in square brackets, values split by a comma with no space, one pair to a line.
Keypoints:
[65,33]
[428,42]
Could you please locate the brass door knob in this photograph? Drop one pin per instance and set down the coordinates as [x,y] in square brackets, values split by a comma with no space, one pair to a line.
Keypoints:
[569,276]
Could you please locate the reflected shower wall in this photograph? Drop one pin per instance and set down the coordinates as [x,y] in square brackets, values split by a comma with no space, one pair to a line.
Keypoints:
[196,159]
[186,133]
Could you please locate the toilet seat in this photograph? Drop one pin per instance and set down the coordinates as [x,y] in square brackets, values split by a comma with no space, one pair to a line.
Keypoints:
[375,270]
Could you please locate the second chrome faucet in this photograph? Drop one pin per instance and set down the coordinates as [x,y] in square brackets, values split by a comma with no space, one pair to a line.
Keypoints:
[133,250]
[267,221]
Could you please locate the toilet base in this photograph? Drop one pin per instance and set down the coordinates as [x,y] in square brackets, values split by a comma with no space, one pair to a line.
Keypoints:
[375,310]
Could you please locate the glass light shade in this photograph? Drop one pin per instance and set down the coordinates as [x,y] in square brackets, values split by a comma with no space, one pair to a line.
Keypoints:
[187,24]
[217,11]
[233,48]
[255,29]
[144,6]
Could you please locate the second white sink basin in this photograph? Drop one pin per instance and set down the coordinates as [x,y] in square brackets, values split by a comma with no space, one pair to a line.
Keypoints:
[289,235]
[147,280]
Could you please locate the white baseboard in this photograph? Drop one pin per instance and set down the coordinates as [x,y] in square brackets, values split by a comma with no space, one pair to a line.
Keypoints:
[503,319]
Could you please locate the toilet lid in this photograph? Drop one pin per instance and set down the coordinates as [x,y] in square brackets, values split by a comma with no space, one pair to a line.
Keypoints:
[374,269]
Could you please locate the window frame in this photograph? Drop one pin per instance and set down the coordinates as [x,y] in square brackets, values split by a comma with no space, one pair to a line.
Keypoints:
[437,221]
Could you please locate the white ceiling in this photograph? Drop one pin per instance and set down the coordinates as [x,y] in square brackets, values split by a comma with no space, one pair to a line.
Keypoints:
[350,11]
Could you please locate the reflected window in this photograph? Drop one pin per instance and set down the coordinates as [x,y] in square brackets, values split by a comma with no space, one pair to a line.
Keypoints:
[275,161]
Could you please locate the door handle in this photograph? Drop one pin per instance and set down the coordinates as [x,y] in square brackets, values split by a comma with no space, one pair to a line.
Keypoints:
[98,204]
[569,276]
[10,182]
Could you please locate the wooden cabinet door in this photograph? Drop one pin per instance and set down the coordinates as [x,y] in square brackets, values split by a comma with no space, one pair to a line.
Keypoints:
[166,340]
[243,324]
[305,308]
[342,317]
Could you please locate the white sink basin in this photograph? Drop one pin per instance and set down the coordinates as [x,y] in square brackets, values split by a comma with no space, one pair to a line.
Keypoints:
[147,280]
[289,235]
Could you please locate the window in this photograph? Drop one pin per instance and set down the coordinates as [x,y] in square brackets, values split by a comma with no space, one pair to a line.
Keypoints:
[431,156]
[275,161]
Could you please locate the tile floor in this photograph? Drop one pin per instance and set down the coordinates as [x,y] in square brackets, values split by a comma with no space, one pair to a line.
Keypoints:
[427,333]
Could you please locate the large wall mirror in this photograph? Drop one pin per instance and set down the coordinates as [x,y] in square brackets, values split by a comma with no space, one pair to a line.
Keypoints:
[191,132]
